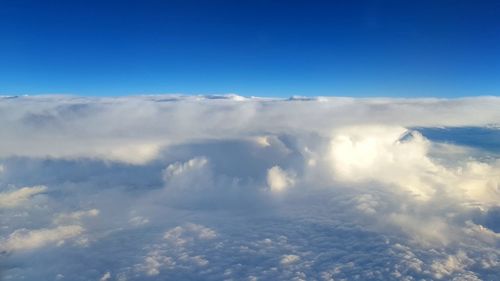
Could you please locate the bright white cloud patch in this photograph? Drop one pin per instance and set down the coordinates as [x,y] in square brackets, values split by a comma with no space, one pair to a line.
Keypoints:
[289,259]
[279,180]
[11,199]
[24,239]
[177,169]
[232,188]
[394,155]
[391,155]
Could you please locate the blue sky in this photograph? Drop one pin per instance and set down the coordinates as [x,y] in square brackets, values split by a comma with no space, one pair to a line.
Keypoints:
[260,48]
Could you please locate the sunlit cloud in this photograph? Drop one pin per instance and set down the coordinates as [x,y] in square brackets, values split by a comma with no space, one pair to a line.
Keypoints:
[233,188]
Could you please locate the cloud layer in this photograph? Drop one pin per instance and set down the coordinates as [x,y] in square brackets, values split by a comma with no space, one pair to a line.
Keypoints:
[233,188]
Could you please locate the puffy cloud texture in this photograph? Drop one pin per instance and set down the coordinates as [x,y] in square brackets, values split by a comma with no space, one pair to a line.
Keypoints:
[233,188]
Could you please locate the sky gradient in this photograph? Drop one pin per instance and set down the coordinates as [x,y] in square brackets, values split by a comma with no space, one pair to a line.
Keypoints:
[251,48]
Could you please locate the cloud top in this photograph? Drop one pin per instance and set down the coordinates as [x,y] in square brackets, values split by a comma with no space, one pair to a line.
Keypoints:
[135,129]
[234,188]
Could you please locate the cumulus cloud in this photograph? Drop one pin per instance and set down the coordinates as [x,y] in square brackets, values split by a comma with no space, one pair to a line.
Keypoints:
[391,155]
[395,155]
[233,188]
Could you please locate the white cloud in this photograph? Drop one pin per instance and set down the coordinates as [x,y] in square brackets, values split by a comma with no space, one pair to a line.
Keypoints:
[371,193]
[138,220]
[183,180]
[262,141]
[201,231]
[180,235]
[23,239]
[139,153]
[177,252]
[367,203]
[17,197]
[289,259]
[178,168]
[129,130]
[75,216]
[428,231]
[400,157]
[154,262]
[451,264]
[391,155]
[106,276]
[279,180]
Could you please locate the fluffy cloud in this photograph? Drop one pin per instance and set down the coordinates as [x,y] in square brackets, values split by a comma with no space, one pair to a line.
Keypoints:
[279,180]
[230,188]
[401,157]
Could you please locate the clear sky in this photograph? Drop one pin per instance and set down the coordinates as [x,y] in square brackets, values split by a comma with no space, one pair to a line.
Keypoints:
[264,48]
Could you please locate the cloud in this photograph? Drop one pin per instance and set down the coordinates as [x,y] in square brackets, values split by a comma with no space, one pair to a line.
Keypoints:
[427,231]
[289,259]
[17,197]
[178,169]
[139,153]
[138,220]
[176,235]
[154,262]
[75,216]
[106,276]
[401,157]
[179,240]
[279,180]
[391,155]
[232,188]
[128,129]
[452,263]
[24,239]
